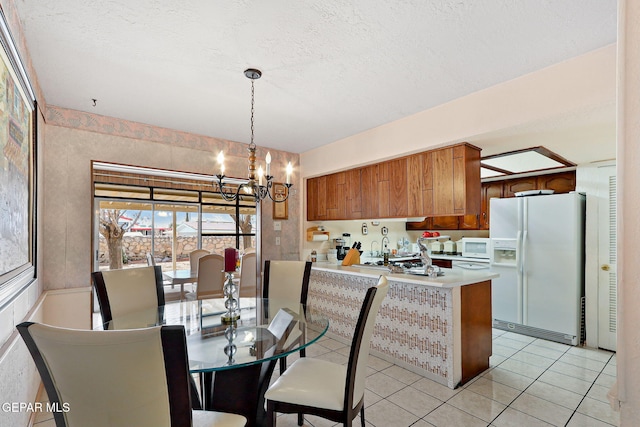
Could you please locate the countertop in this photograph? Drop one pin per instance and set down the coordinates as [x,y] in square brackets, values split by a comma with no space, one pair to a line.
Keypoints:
[453,277]
[364,258]
[459,258]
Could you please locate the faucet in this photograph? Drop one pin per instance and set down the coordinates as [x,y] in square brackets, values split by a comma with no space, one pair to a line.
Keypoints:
[376,242]
[385,246]
[424,252]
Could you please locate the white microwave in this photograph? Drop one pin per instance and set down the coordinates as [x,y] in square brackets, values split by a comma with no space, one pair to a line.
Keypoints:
[476,247]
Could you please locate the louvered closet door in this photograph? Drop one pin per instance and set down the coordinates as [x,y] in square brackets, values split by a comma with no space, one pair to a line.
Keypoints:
[607,278]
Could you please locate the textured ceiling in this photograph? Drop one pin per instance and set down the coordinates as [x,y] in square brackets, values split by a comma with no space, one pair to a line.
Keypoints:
[331,68]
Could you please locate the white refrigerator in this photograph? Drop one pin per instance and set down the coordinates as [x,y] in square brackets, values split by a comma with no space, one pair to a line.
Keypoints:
[537,247]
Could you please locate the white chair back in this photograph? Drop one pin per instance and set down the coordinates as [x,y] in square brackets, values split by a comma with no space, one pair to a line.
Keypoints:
[286,281]
[105,378]
[131,289]
[248,277]
[364,342]
[210,277]
[194,257]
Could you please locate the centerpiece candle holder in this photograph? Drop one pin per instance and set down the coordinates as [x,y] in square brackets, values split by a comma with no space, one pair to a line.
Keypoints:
[229,289]
[230,303]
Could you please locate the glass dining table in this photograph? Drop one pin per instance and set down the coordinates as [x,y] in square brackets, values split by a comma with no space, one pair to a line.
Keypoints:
[235,361]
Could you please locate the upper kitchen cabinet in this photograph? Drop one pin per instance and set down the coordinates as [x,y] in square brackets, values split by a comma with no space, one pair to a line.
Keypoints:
[456,180]
[336,193]
[316,199]
[354,191]
[384,189]
[434,183]
[335,196]
[490,190]
[419,184]
[562,182]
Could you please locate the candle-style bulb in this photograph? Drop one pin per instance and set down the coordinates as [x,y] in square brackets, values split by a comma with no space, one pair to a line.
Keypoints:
[289,171]
[221,162]
[267,159]
[260,173]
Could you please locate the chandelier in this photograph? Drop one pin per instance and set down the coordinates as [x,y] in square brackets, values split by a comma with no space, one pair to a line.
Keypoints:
[253,188]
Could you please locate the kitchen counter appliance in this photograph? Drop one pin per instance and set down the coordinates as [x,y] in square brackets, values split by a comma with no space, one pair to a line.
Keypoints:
[476,247]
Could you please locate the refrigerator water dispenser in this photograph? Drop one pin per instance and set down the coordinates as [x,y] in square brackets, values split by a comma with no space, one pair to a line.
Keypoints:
[504,252]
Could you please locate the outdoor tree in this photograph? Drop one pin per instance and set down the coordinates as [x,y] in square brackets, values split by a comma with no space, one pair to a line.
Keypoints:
[244,223]
[113,232]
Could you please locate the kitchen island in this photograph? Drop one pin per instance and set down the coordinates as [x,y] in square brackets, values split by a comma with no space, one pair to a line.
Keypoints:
[437,327]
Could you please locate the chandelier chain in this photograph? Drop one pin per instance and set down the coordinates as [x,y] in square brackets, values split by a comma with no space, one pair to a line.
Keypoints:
[252,144]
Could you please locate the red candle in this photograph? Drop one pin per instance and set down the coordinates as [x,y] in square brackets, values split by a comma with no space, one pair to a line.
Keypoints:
[229,260]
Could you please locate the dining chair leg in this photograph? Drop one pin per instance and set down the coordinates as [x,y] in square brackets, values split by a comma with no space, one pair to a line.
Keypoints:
[362,415]
[195,397]
[300,419]
[271,415]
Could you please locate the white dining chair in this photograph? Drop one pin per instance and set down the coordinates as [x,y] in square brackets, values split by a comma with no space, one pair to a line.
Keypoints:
[136,377]
[194,258]
[128,290]
[286,285]
[326,389]
[210,285]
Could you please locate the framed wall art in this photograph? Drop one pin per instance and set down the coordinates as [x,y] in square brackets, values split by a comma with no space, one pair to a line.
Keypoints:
[280,209]
[17,162]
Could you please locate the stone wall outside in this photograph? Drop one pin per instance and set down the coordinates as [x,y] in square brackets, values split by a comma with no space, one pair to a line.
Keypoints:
[136,247]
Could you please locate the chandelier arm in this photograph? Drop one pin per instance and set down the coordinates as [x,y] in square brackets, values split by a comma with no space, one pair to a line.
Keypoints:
[227,196]
[279,200]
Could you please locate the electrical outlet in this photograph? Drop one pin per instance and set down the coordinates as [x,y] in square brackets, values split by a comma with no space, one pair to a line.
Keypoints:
[278,241]
[277,226]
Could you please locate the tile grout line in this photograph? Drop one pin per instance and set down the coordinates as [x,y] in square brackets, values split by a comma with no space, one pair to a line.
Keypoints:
[588,390]
[527,387]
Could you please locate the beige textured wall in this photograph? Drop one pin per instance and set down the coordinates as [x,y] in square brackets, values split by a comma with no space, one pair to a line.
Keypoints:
[73,139]
[628,208]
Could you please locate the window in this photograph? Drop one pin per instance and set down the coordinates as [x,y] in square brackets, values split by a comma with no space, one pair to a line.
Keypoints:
[166,223]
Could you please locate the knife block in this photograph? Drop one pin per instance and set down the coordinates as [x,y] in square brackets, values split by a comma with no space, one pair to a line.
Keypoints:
[352,257]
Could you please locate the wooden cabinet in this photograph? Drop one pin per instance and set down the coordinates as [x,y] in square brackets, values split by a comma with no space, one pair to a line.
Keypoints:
[336,194]
[441,182]
[419,184]
[513,186]
[558,182]
[369,191]
[354,198]
[562,182]
[489,191]
[456,180]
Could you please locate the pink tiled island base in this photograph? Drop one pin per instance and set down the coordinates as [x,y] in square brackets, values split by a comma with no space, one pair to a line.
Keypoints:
[420,327]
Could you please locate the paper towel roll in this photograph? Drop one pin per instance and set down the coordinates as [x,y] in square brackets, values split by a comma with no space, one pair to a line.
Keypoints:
[320,237]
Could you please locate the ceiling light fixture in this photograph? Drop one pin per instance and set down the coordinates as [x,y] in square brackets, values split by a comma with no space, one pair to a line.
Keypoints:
[253,188]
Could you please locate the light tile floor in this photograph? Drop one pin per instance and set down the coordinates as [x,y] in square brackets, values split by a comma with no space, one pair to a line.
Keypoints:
[531,383]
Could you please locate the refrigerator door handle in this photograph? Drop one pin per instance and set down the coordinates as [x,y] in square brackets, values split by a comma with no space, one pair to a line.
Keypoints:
[523,278]
[519,275]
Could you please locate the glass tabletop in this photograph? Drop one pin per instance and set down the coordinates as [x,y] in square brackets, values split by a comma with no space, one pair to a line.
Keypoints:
[267,330]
